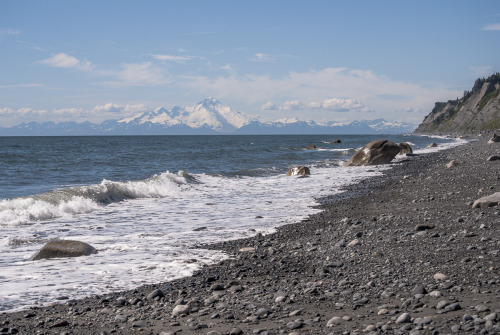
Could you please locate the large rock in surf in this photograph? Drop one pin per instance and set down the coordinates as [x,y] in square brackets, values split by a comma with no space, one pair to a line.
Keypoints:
[299,171]
[374,153]
[311,147]
[404,149]
[66,248]
[488,201]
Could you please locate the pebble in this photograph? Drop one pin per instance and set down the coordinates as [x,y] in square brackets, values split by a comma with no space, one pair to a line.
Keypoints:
[155,293]
[295,324]
[180,309]
[336,320]
[440,276]
[404,318]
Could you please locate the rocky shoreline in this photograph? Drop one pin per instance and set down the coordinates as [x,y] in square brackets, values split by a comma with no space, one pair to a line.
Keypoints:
[404,253]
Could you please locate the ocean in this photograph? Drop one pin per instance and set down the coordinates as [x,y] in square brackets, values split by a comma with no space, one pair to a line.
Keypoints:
[145,202]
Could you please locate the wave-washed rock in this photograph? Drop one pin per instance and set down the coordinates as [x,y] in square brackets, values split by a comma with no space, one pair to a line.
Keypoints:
[374,153]
[66,248]
[299,171]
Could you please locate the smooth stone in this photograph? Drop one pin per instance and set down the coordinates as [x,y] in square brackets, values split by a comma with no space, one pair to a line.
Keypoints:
[440,276]
[155,293]
[404,318]
[487,201]
[180,309]
[336,320]
[140,324]
[295,324]
[246,249]
[65,248]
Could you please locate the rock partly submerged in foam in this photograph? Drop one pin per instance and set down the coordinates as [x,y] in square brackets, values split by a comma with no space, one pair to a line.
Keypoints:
[405,149]
[299,171]
[61,249]
[374,153]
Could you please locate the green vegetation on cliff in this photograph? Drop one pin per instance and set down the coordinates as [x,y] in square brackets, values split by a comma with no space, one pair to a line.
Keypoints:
[478,109]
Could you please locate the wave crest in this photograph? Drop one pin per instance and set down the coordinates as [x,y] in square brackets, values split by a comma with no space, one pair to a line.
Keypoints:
[85,199]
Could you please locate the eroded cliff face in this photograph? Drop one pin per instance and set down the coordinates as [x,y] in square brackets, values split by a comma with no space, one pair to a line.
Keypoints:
[477,110]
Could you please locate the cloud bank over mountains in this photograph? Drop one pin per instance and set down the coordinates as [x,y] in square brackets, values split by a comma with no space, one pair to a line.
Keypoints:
[208,117]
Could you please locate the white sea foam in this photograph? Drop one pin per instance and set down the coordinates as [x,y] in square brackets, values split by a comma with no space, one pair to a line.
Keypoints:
[145,232]
[85,199]
[149,238]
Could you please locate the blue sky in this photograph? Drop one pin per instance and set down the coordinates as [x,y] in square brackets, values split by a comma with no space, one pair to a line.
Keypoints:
[321,60]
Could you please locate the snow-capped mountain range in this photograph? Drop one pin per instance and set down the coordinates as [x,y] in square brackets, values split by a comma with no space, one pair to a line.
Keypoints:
[205,118]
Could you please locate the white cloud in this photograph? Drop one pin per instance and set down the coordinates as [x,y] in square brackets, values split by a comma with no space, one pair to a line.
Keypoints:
[269,106]
[22,85]
[291,105]
[341,105]
[7,32]
[11,117]
[495,26]
[260,57]
[137,74]
[63,60]
[332,104]
[172,58]
[359,90]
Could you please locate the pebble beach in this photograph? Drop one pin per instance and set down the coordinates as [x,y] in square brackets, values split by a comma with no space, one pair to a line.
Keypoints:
[403,253]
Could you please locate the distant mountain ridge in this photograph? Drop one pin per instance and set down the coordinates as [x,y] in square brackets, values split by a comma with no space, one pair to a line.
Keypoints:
[209,117]
[477,110]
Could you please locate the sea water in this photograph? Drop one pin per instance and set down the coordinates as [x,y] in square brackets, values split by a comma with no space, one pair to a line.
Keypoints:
[146,202]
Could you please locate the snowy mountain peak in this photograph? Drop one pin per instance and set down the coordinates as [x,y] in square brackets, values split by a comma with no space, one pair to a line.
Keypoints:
[209,114]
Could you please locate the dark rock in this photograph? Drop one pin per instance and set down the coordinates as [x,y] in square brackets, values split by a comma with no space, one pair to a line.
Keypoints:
[62,323]
[404,149]
[299,171]
[311,147]
[156,293]
[421,227]
[374,153]
[494,139]
[66,248]
[335,141]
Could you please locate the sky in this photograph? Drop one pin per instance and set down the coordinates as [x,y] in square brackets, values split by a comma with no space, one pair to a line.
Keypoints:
[70,60]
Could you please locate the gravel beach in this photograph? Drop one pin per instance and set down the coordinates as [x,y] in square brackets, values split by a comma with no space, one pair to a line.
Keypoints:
[404,253]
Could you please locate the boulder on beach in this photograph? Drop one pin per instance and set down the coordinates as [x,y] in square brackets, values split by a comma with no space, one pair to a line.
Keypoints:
[374,153]
[404,149]
[299,171]
[493,158]
[451,164]
[311,147]
[65,248]
[488,201]
[432,145]
[494,139]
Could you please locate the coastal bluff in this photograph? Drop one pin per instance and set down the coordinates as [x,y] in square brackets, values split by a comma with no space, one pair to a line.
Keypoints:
[477,110]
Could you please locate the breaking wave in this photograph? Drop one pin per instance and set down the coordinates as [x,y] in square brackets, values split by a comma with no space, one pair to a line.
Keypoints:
[86,199]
